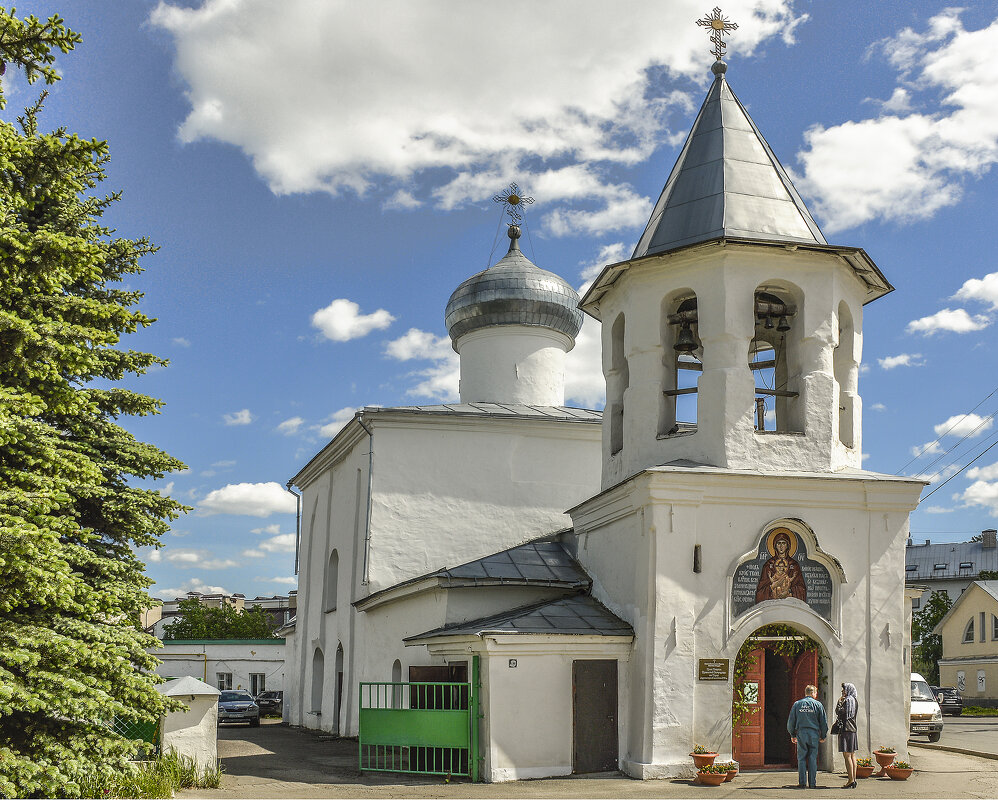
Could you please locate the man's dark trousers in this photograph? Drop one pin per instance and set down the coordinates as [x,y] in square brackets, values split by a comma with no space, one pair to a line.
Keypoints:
[807,758]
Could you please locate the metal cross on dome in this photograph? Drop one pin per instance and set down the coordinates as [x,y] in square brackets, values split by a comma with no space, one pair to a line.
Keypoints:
[719,26]
[513,200]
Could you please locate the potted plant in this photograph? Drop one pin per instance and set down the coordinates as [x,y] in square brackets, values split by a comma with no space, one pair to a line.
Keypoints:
[702,757]
[731,767]
[712,774]
[884,755]
[899,770]
[864,767]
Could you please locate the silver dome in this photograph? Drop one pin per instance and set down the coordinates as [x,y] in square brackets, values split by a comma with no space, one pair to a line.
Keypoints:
[513,292]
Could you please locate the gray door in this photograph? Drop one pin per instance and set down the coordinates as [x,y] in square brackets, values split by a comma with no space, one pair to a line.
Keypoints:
[594,716]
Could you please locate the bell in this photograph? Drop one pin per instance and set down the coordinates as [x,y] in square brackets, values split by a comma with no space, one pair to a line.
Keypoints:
[769,322]
[685,343]
[784,324]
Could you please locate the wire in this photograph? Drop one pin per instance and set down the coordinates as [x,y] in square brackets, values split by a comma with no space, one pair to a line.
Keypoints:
[953,447]
[495,241]
[941,485]
[946,432]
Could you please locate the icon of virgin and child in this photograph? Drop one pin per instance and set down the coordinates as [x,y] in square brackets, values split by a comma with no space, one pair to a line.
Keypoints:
[781,574]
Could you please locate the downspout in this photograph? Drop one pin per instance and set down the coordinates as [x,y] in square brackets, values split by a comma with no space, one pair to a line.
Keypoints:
[297,521]
[365,579]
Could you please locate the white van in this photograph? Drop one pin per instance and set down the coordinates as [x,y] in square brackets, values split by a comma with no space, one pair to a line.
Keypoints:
[926,716]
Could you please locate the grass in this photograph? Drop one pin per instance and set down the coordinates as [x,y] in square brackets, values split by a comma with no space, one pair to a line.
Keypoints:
[156,779]
[980,711]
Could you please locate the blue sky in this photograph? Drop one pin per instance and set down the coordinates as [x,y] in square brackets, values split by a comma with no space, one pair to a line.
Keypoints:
[319,174]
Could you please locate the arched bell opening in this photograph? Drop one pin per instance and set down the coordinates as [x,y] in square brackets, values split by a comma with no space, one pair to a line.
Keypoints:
[617,380]
[774,357]
[682,364]
[846,367]
[774,665]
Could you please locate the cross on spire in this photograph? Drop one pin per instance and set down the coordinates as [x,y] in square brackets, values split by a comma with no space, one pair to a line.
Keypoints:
[514,201]
[719,26]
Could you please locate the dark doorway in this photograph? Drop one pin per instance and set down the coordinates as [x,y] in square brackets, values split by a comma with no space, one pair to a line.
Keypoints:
[594,715]
[779,749]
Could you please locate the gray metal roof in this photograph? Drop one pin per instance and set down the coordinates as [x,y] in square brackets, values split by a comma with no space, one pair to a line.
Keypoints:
[496,410]
[579,615]
[726,183]
[513,292]
[544,562]
[925,557]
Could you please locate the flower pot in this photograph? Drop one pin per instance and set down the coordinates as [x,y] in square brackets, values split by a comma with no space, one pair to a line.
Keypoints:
[883,759]
[898,774]
[864,772]
[703,759]
[731,775]
[712,778]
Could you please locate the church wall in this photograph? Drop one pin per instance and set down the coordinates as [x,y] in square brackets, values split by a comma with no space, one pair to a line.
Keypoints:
[861,524]
[453,492]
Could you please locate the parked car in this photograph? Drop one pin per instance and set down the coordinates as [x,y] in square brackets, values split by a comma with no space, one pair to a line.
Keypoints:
[238,707]
[926,716]
[949,698]
[271,702]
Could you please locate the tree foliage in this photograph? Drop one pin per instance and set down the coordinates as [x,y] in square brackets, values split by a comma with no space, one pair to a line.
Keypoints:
[927,647]
[198,621]
[72,656]
[28,44]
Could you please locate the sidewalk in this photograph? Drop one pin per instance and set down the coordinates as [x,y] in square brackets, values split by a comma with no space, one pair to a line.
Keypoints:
[260,773]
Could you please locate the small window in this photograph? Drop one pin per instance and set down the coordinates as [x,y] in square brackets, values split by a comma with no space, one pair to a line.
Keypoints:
[966,565]
[916,603]
[258,683]
[911,568]
[939,566]
[968,633]
[994,628]
[223,680]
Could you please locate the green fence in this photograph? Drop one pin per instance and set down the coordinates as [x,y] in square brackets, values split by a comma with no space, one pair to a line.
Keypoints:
[138,729]
[420,727]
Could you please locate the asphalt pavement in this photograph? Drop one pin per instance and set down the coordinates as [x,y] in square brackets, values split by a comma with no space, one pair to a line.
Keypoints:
[276,761]
[977,735]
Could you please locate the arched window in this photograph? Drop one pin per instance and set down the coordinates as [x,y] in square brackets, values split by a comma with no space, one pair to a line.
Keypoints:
[846,374]
[681,361]
[994,628]
[396,679]
[968,632]
[772,358]
[339,688]
[332,582]
[318,670]
[617,381]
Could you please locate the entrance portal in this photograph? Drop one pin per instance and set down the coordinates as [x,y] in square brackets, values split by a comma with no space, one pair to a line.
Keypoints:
[770,685]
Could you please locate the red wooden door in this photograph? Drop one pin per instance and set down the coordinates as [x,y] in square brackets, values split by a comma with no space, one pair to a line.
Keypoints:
[804,672]
[748,743]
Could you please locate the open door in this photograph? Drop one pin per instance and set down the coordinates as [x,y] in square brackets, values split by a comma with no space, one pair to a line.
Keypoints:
[749,738]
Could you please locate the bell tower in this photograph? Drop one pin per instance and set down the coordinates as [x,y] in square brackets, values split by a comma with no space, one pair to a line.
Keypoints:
[732,337]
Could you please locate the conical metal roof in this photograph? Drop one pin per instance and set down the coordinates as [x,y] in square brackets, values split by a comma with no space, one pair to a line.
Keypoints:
[726,183]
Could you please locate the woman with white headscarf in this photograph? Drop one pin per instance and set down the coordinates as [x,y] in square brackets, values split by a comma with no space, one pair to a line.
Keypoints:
[845,725]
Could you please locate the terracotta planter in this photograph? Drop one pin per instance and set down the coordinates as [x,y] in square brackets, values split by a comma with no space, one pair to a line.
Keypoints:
[731,775]
[897,774]
[712,778]
[883,759]
[703,759]
[864,772]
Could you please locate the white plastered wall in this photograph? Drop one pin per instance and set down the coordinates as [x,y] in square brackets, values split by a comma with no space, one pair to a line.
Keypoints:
[203,659]
[725,280]
[661,515]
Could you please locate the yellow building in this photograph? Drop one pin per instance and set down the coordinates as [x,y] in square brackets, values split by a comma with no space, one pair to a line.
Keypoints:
[970,644]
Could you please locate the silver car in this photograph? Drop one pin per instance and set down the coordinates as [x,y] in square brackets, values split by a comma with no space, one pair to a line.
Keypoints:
[238,707]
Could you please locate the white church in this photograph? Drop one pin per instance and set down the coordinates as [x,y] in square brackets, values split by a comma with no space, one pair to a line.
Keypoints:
[594,575]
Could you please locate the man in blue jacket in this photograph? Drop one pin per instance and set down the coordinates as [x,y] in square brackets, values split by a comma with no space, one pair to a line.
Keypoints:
[807,727]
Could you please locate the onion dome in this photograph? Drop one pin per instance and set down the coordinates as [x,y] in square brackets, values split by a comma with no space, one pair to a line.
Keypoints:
[513,292]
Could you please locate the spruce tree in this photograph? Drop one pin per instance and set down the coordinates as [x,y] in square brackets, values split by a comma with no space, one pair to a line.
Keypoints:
[72,655]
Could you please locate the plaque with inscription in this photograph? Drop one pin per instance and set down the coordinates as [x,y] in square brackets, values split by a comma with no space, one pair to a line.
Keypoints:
[781,570]
[712,669]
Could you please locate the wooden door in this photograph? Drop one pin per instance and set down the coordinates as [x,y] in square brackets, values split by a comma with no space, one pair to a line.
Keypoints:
[594,715]
[804,672]
[749,738]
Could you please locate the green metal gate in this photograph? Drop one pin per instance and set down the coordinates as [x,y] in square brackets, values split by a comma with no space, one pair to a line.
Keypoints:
[426,728]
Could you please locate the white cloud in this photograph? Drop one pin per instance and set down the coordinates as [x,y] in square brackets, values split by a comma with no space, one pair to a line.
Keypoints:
[202,559]
[283,543]
[291,426]
[988,473]
[338,109]
[193,585]
[982,493]
[956,320]
[902,360]
[167,490]
[402,200]
[271,530]
[342,321]
[243,417]
[608,254]
[154,556]
[584,382]
[290,581]
[936,510]
[927,449]
[964,425]
[878,407]
[250,499]
[224,464]
[984,289]
[181,341]
[439,381]
[905,165]
[335,421]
